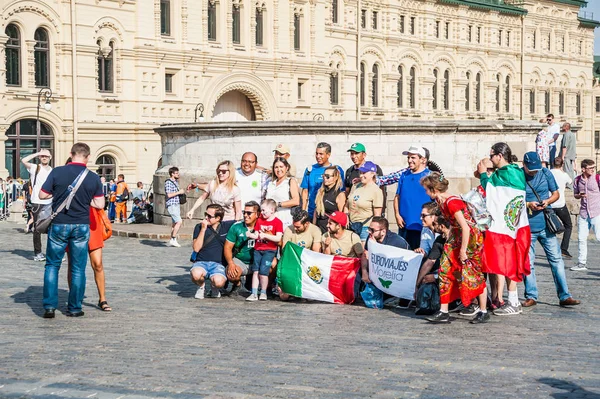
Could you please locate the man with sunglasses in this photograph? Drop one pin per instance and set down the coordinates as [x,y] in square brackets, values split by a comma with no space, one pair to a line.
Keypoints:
[38,173]
[587,189]
[379,231]
[552,135]
[239,249]
[251,180]
[208,247]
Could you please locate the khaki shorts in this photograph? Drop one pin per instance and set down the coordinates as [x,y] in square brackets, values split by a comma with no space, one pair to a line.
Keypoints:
[245,268]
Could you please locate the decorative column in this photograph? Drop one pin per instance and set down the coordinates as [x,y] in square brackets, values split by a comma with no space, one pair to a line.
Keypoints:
[3,138]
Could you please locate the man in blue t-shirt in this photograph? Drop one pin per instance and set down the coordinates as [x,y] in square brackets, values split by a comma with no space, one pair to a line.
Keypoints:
[410,196]
[71,227]
[313,177]
[540,183]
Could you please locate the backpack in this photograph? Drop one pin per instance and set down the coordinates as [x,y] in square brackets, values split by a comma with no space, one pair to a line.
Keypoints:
[578,179]
[476,205]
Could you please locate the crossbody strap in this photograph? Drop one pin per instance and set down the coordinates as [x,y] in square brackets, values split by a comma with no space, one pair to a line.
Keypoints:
[534,192]
[66,203]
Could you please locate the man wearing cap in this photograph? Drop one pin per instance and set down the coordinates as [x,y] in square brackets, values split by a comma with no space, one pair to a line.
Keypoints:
[283,151]
[38,173]
[313,177]
[410,196]
[358,153]
[540,183]
[340,241]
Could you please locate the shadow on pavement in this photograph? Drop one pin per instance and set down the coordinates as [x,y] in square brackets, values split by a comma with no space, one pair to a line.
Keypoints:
[33,296]
[183,285]
[27,254]
[152,243]
[572,390]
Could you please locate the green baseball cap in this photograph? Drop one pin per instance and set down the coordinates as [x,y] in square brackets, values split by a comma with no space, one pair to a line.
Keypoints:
[357,147]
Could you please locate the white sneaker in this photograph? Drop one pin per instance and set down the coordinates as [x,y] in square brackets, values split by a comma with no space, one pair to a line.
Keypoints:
[579,267]
[39,258]
[262,297]
[215,293]
[252,298]
[199,293]
[174,243]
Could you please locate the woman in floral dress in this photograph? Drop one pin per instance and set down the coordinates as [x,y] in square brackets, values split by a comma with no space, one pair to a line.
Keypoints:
[460,274]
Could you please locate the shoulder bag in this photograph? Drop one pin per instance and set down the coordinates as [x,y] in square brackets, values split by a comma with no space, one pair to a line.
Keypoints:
[182,197]
[553,223]
[45,217]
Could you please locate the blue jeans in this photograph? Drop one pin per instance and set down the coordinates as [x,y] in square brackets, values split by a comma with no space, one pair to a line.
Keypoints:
[76,236]
[552,156]
[552,249]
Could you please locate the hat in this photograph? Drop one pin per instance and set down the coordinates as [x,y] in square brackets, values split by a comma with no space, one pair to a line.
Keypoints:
[282,148]
[357,147]
[532,161]
[414,149]
[340,218]
[368,167]
[45,153]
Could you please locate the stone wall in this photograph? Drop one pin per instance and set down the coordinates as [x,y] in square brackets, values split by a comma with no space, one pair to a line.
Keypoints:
[456,146]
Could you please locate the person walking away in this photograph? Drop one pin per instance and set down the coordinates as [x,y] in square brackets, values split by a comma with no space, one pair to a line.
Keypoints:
[172,193]
[569,150]
[71,227]
[284,190]
[330,198]
[38,173]
[587,189]
[122,193]
[563,180]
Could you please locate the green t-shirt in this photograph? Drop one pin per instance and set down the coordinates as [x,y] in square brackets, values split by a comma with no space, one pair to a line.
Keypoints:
[241,244]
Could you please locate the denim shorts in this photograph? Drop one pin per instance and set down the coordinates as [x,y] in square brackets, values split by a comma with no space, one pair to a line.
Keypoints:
[175,212]
[211,268]
[262,261]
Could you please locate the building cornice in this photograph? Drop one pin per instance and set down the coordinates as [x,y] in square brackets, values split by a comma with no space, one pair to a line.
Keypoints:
[578,3]
[588,23]
[488,5]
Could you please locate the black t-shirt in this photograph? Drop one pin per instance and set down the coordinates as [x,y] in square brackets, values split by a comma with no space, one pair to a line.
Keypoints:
[329,197]
[212,251]
[437,249]
[57,183]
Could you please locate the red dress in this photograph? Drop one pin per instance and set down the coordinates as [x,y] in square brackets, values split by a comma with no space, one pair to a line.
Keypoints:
[96,239]
[464,281]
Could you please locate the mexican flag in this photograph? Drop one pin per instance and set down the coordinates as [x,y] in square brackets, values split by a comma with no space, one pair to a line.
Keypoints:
[506,245]
[312,275]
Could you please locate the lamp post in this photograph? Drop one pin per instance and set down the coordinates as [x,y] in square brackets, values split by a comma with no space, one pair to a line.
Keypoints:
[47,93]
[199,107]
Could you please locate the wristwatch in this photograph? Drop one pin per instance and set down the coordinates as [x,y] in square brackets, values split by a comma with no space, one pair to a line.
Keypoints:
[279,205]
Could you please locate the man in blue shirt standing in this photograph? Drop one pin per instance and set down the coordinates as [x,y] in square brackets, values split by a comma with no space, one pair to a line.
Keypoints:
[410,196]
[540,183]
[313,177]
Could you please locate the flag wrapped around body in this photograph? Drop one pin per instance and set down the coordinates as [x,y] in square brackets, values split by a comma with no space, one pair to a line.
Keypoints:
[311,275]
[506,245]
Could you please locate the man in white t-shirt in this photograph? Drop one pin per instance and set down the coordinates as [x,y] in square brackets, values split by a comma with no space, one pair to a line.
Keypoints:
[560,206]
[553,136]
[38,173]
[251,181]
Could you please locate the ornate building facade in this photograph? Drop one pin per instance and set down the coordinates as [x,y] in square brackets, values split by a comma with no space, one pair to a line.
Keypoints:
[119,68]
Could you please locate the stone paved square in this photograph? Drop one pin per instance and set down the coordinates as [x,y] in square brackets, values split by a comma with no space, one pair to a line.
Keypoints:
[160,342]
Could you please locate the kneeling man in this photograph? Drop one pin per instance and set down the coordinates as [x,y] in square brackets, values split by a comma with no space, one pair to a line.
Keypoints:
[239,249]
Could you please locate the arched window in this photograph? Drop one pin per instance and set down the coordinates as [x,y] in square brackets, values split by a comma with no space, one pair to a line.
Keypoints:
[236,23]
[578,104]
[334,11]
[498,92]
[259,26]
[105,67]
[468,93]
[561,103]
[434,89]
[507,95]
[165,17]
[478,97]
[212,20]
[532,101]
[22,140]
[547,102]
[297,32]
[362,84]
[400,88]
[447,89]
[106,167]
[374,86]
[13,56]
[41,51]
[411,88]
[333,88]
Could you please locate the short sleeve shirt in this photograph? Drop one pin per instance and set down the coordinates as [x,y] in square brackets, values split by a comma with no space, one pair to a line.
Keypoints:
[241,243]
[170,188]
[362,200]
[590,204]
[543,182]
[570,143]
[437,249]
[312,181]
[306,239]
[267,227]
[348,245]
[227,199]
[57,183]
[412,196]
[562,179]
[391,239]
[212,251]
[39,180]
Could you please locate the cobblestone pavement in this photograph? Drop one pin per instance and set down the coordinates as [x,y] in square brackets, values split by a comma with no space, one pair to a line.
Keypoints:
[159,342]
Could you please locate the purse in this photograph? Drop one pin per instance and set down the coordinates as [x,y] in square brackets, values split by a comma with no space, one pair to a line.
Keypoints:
[553,223]
[106,224]
[182,199]
[45,217]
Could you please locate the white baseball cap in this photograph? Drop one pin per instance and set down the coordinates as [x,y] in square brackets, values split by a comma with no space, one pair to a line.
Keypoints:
[414,149]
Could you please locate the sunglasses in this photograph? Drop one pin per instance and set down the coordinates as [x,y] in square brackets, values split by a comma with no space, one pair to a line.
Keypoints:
[209,216]
[248,213]
[326,176]
[222,172]
[424,215]
[493,155]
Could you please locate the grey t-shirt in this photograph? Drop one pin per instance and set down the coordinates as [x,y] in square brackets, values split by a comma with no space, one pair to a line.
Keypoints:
[570,143]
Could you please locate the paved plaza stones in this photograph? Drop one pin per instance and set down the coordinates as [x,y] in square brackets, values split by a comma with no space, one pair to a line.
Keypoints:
[159,342]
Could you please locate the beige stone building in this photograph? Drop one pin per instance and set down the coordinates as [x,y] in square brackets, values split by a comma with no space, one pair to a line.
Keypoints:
[141,63]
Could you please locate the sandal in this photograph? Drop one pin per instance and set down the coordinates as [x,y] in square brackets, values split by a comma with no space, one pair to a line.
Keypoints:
[104,306]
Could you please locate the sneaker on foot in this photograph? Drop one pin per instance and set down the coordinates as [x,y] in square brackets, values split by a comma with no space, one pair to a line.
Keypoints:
[579,267]
[439,317]
[262,297]
[508,310]
[481,318]
[215,293]
[252,298]
[469,311]
[457,308]
[39,257]
[174,243]
[199,293]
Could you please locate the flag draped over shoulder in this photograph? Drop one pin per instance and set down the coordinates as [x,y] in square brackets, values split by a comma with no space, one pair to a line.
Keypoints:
[506,245]
[312,275]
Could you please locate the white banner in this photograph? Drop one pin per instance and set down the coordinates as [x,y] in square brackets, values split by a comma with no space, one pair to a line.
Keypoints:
[394,270]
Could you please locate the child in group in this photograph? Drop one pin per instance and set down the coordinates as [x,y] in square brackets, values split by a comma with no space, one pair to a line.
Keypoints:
[267,232]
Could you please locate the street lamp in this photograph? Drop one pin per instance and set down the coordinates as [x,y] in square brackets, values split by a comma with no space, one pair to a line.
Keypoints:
[47,93]
[199,107]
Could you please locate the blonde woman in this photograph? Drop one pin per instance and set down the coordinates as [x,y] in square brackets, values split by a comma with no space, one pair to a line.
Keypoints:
[365,200]
[329,198]
[223,191]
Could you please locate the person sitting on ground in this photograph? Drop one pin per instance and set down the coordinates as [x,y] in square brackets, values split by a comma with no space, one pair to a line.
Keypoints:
[137,212]
[302,232]
[208,242]
[267,233]
[428,213]
[329,198]
[239,249]
[339,240]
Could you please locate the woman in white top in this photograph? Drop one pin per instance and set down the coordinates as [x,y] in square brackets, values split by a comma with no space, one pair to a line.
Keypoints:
[222,190]
[283,190]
